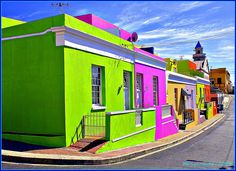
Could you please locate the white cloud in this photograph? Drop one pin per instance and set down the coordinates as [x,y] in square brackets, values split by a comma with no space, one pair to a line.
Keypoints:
[152,20]
[182,22]
[174,55]
[172,37]
[214,9]
[187,6]
[227,48]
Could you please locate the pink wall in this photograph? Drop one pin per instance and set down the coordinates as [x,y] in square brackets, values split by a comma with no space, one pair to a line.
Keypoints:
[162,129]
[102,24]
[166,126]
[125,34]
[148,73]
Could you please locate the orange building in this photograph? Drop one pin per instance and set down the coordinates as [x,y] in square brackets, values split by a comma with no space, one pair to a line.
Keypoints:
[220,78]
[207,93]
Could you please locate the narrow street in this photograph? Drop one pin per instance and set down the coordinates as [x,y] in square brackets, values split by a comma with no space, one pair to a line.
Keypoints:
[206,151]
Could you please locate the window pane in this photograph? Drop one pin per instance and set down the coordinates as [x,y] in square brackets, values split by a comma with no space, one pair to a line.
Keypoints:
[166,111]
[96,84]
[155,90]
[139,91]
[138,119]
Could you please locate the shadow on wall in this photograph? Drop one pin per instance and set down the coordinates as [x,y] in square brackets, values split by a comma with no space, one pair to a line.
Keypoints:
[181,106]
[119,89]
[78,133]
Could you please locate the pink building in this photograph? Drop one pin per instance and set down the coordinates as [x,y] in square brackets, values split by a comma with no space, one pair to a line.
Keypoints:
[150,90]
[104,25]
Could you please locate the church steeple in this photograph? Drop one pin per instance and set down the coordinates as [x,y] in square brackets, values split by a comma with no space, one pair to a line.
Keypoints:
[198,45]
[198,48]
[199,55]
[200,58]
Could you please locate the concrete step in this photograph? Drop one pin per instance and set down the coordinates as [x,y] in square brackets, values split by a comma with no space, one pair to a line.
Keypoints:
[89,144]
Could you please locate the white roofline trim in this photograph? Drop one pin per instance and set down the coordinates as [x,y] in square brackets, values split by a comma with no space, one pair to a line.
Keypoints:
[202,80]
[183,79]
[121,52]
[182,82]
[180,75]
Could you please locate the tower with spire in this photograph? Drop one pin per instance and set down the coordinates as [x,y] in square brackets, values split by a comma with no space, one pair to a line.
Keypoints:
[200,59]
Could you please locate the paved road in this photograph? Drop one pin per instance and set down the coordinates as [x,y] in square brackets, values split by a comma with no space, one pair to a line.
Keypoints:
[210,150]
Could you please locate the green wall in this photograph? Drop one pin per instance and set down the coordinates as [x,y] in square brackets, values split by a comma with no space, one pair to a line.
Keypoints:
[33,86]
[183,68]
[74,23]
[65,20]
[8,22]
[200,104]
[47,89]
[78,87]
[34,26]
[40,98]
[209,112]
[123,124]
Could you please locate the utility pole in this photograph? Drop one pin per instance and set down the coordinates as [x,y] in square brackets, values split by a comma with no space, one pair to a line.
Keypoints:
[60,6]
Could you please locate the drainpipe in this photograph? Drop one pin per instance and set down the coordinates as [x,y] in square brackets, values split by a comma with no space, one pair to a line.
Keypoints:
[27,35]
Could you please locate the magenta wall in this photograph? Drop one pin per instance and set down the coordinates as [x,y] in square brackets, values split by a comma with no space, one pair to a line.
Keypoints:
[102,24]
[148,73]
[166,126]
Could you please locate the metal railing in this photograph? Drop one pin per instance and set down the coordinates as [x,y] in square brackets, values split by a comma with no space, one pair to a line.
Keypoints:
[94,125]
[188,116]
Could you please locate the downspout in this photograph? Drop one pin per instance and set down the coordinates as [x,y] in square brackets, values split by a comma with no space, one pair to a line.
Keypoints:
[134,77]
[27,35]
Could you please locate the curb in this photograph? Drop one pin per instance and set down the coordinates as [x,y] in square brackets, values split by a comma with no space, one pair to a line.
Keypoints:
[17,157]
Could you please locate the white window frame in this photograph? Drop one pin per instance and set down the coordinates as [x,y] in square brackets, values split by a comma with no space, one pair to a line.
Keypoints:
[166,111]
[140,88]
[138,118]
[155,91]
[97,103]
[127,75]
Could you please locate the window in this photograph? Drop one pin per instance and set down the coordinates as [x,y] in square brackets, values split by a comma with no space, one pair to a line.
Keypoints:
[127,89]
[166,111]
[139,90]
[200,95]
[204,93]
[176,98]
[155,91]
[138,119]
[192,100]
[212,81]
[219,80]
[96,85]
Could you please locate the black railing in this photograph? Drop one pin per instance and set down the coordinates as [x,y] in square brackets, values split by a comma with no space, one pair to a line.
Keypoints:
[188,116]
[94,125]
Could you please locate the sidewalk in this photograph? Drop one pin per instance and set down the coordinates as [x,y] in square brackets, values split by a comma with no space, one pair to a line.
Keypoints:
[71,156]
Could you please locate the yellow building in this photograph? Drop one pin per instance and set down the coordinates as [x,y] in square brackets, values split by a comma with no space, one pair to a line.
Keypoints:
[181,94]
[220,78]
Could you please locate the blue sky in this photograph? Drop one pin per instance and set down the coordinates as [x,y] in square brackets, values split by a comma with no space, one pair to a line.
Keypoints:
[173,28]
